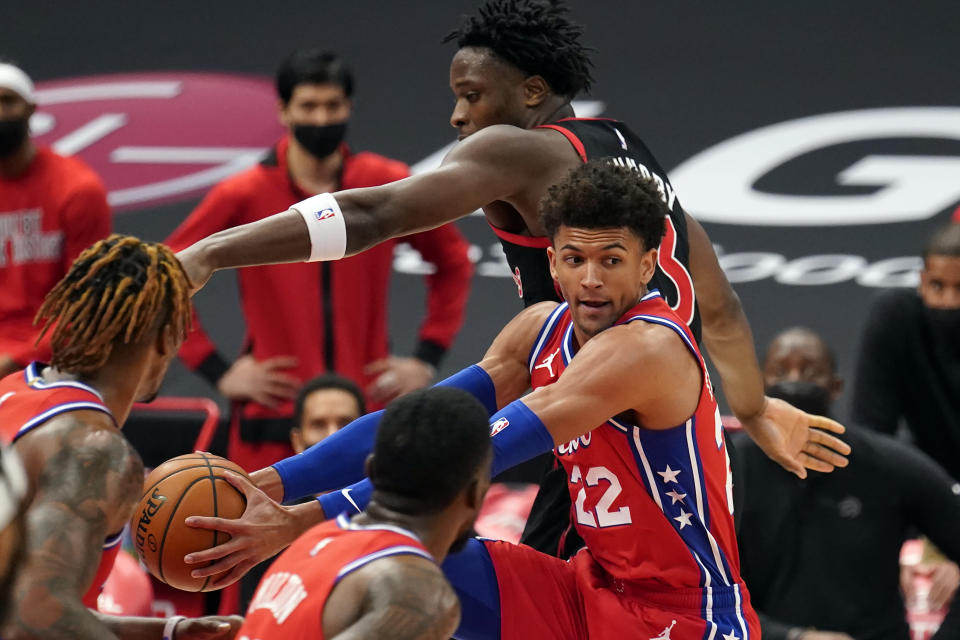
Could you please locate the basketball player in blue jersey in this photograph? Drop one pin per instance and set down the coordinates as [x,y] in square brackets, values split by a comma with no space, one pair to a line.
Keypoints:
[519,65]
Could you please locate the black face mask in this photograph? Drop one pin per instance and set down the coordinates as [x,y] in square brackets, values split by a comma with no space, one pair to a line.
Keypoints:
[12,135]
[945,325]
[806,396]
[320,140]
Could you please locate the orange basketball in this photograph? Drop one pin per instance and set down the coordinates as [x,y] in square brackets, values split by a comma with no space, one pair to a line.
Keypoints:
[188,485]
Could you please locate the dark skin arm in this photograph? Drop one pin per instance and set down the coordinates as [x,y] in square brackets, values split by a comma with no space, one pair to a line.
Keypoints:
[402,597]
[781,430]
[499,163]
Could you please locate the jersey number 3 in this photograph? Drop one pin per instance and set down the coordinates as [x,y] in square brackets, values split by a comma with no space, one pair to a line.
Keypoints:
[601,515]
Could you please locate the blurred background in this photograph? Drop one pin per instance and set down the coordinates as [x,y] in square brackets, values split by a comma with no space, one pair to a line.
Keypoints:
[687,77]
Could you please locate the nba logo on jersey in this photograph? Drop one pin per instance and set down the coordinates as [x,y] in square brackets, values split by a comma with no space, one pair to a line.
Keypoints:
[498,426]
[325,214]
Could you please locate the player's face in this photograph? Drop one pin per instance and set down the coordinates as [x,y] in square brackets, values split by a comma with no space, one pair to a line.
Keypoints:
[161,355]
[316,104]
[940,282]
[487,92]
[324,412]
[601,272]
[800,357]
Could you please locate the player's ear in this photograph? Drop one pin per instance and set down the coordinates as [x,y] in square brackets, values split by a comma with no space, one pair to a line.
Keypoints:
[535,91]
[166,341]
[368,466]
[648,264]
[552,259]
[473,495]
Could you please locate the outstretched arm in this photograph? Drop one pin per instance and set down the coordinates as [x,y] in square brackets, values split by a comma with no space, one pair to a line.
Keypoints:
[785,433]
[493,164]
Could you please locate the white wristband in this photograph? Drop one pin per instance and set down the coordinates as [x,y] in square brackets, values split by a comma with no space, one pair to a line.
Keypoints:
[171,626]
[328,230]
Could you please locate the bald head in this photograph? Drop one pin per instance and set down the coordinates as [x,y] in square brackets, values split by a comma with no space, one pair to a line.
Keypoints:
[799,354]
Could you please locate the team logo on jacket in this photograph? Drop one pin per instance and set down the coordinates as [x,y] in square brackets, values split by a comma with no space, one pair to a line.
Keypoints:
[498,426]
[158,137]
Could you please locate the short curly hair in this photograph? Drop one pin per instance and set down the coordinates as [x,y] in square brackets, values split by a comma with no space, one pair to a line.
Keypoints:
[604,195]
[535,36]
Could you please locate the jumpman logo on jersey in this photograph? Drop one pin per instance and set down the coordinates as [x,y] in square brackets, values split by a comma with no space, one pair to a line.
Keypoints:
[665,634]
[548,362]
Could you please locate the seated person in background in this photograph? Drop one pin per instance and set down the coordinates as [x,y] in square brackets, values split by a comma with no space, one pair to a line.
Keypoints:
[908,367]
[377,575]
[823,553]
[323,406]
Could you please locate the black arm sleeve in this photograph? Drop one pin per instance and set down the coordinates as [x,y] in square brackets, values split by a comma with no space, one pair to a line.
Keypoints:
[876,393]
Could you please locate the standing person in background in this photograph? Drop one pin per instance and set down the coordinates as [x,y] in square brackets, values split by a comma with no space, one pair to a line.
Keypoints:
[305,319]
[908,367]
[51,208]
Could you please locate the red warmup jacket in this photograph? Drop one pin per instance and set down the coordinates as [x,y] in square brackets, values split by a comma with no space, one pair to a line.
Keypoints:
[330,315]
[48,215]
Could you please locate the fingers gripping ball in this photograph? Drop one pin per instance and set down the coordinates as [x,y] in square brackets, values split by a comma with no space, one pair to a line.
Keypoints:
[188,485]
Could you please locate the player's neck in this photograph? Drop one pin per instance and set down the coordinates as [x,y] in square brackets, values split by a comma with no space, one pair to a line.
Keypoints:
[310,173]
[430,530]
[118,384]
[13,166]
[551,113]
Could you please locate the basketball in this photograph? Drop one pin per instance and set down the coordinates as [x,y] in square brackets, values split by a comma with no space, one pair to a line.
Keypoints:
[188,485]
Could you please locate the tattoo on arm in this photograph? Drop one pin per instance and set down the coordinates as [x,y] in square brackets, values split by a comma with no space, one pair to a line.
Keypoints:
[411,601]
[89,485]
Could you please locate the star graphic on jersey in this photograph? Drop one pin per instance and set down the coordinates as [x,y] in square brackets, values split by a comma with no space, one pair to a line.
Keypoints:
[731,636]
[669,475]
[684,519]
[677,497]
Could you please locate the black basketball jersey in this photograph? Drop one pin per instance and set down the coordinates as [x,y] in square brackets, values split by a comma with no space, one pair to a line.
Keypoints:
[603,138]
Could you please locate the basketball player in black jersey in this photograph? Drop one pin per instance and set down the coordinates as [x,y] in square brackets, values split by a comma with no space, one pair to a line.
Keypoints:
[519,65]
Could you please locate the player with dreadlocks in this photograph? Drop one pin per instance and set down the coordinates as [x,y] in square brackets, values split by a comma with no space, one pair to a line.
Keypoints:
[117,318]
[519,65]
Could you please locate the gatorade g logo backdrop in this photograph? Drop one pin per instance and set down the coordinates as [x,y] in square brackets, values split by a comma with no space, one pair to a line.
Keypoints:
[818,143]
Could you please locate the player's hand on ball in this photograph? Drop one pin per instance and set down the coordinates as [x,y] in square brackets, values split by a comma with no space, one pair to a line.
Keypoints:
[797,440]
[208,628]
[265,528]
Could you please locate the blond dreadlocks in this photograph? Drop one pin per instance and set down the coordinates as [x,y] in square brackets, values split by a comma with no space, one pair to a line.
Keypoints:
[115,292]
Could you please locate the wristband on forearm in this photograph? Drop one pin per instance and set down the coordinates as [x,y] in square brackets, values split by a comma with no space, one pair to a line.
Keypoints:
[170,628]
[518,435]
[327,228]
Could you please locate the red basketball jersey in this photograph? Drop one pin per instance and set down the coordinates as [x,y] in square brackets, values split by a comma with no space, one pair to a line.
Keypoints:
[290,598]
[27,402]
[653,506]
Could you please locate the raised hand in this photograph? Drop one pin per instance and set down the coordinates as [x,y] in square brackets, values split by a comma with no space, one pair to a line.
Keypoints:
[797,440]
